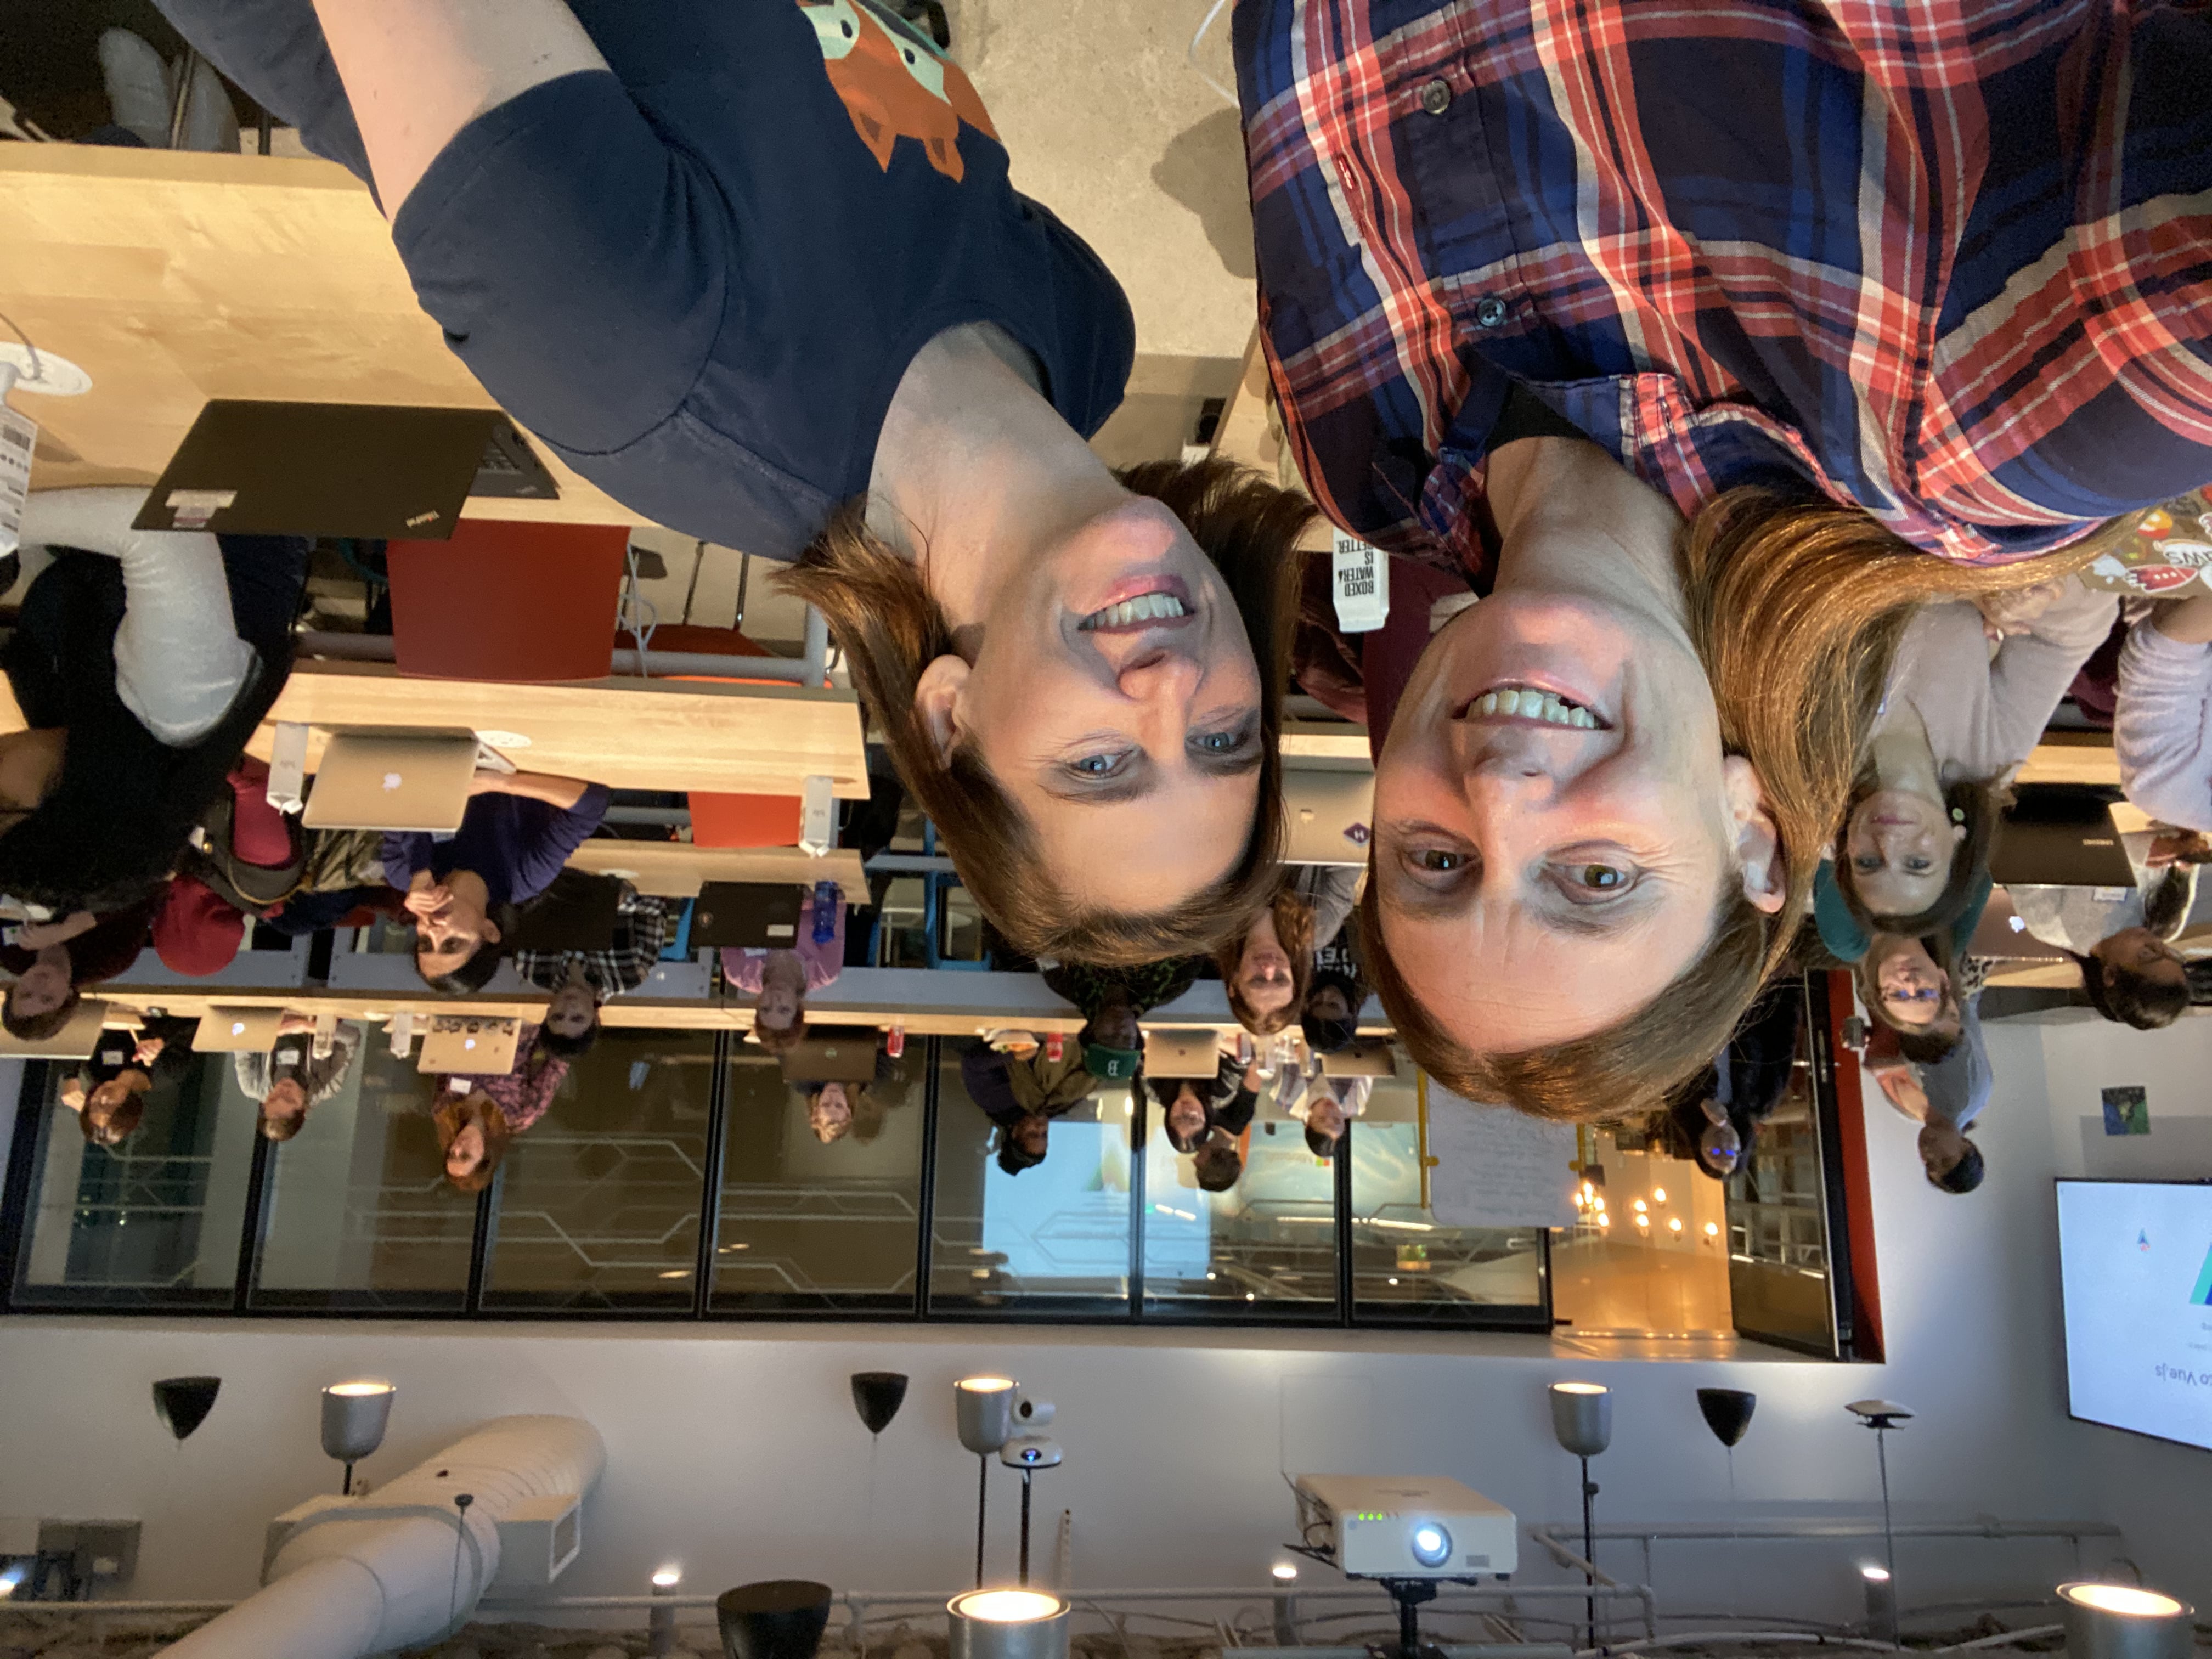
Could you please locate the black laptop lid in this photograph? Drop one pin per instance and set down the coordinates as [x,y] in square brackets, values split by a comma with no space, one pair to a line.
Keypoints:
[286,469]
[747,915]
[578,912]
[2060,836]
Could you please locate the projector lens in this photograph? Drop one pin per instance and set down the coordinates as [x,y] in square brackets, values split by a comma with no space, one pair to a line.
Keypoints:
[1432,1545]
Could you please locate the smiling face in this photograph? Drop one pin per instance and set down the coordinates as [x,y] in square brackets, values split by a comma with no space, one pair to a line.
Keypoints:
[1263,971]
[1187,1117]
[1916,993]
[1112,693]
[1556,825]
[829,1114]
[43,987]
[466,1152]
[1899,845]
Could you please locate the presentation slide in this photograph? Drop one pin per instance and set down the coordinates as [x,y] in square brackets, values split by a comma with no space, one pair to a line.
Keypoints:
[2135,1273]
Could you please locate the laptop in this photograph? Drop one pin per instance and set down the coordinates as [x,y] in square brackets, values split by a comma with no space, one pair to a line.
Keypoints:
[756,915]
[1369,1057]
[578,912]
[478,1044]
[368,470]
[77,1039]
[392,781]
[1330,814]
[237,1031]
[2055,836]
[2002,933]
[835,1056]
[1174,1055]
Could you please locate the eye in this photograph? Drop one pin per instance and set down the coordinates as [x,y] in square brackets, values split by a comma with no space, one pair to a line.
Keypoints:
[1218,743]
[1593,882]
[1918,866]
[1099,766]
[1437,861]
[1866,864]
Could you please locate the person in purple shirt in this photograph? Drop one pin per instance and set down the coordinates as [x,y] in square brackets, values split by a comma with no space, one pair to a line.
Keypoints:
[518,831]
[781,979]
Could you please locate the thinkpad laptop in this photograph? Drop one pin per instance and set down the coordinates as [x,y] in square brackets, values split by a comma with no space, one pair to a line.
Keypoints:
[365,470]
[756,915]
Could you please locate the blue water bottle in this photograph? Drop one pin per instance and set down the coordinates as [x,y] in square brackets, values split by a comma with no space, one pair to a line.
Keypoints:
[827,898]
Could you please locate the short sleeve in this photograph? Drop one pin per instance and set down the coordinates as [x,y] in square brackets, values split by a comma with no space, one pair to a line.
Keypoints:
[575,259]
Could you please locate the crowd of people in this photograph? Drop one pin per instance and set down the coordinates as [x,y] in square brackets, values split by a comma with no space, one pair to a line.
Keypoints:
[1742,549]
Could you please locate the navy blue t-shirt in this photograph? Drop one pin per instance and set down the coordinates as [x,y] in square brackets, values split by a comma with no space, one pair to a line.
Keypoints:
[699,279]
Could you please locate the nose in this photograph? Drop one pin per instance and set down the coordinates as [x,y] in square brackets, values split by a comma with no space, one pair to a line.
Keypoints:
[1159,676]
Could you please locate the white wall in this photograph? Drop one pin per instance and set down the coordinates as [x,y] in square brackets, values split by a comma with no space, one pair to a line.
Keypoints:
[735,1448]
[2161,1493]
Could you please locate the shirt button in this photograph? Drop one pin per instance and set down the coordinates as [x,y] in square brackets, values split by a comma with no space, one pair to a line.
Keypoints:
[1436,96]
[1489,311]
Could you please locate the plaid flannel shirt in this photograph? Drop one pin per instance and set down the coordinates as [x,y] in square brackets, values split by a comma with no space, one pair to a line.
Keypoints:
[640,934]
[1948,261]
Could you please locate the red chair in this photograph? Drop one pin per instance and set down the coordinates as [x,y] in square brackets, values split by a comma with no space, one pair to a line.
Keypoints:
[508,600]
[744,820]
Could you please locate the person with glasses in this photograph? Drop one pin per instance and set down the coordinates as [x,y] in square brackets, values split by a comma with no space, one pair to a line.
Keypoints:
[1906,985]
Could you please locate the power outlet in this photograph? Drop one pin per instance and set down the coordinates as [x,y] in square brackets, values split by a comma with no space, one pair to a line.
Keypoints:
[104,1552]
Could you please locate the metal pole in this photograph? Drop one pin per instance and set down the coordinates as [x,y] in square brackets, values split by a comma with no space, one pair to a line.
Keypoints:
[983,1496]
[817,648]
[1889,1535]
[1590,1554]
[346,1490]
[1025,1524]
[180,111]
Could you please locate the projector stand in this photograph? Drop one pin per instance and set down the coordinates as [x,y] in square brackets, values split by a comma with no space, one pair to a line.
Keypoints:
[1409,1594]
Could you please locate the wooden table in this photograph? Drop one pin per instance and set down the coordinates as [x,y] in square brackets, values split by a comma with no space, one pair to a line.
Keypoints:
[173,278]
[2073,757]
[626,733]
[676,869]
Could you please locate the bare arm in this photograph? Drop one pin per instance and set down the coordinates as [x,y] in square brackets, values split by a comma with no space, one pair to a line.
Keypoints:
[417,72]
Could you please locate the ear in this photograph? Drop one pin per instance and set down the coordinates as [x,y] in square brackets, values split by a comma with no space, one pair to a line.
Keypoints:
[1958,834]
[1760,860]
[937,698]
[1715,1114]
[490,931]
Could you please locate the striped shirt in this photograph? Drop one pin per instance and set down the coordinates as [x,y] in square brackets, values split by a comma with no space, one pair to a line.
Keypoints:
[1948,262]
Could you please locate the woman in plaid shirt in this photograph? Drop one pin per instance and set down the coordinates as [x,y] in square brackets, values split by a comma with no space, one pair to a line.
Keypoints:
[1684,334]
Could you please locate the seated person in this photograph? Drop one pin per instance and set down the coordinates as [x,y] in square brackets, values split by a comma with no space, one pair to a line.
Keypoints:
[1139,990]
[842,1111]
[2120,940]
[141,661]
[1203,1121]
[518,832]
[54,960]
[1699,1127]
[478,1115]
[1330,1021]
[1943,1099]
[781,979]
[1325,1104]
[1022,1088]
[1265,973]
[290,1078]
[1906,988]
[2159,715]
[642,925]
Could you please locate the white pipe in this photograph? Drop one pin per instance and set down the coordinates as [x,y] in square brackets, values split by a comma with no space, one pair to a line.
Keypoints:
[401,1566]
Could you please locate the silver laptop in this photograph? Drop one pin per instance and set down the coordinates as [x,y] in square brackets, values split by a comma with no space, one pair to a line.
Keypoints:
[383,780]
[1330,815]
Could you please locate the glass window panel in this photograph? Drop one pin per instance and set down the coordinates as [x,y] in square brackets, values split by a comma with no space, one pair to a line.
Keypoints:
[153,1223]
[598,1202]
[1054,1238]
[808,1226]
[1624,1269]
[1265,1247]
[1405,1263]
[359,1211]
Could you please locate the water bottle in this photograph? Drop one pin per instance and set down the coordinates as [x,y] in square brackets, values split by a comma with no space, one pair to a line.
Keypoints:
[826,901]
[895,1041]
[1056,1045]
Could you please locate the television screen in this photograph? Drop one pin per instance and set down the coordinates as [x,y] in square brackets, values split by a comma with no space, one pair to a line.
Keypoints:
[2135,1266]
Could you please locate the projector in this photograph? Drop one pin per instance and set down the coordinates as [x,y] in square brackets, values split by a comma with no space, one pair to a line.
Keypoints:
[1377,1526]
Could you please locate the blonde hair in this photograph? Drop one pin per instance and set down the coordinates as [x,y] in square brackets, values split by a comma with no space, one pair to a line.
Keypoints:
[889,626]
[1796,608]
[1294,931]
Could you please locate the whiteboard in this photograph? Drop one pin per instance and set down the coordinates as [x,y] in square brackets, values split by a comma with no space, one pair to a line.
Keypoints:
[1495,1167]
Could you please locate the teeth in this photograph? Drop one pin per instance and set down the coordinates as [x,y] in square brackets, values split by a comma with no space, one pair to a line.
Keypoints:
[1147,607]
[1532,705]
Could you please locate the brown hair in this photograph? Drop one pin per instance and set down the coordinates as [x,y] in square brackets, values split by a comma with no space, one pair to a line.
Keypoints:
[121,1121]
[866,1122]
[36,1028]
[1294,931]
[780,1040]
[884,619]
[450,1120]
[1865,978]
[1795,608]
[1979,805]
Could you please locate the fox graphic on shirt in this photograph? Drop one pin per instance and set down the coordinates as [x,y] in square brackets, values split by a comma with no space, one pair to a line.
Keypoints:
[895,83]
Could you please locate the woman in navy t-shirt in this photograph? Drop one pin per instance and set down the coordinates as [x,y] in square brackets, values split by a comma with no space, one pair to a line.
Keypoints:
[756,269]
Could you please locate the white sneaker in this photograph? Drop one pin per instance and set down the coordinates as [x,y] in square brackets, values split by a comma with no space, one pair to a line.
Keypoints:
[211,124]
[137,86]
